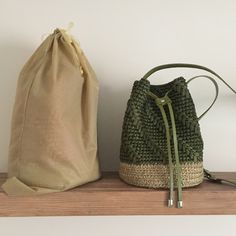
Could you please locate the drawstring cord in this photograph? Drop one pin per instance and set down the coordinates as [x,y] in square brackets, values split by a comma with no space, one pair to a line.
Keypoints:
[161,102]
[177,163]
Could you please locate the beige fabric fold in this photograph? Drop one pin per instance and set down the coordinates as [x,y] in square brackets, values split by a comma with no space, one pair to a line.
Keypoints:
[53,144]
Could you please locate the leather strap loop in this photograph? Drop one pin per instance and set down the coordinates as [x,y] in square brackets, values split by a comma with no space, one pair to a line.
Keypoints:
[216,95]
[216,179]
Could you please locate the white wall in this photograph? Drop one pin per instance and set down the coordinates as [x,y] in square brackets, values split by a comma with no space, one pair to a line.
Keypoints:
[124,39]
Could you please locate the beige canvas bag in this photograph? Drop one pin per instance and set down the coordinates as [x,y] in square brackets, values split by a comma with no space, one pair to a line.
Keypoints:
[53,144]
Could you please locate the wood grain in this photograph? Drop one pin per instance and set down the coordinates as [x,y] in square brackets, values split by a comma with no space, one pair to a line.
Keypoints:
[111,196]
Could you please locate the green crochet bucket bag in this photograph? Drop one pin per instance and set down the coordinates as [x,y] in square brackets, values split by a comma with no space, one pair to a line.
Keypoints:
[161,143]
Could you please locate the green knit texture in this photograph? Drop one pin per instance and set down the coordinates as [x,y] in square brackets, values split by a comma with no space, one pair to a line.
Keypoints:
[143,138]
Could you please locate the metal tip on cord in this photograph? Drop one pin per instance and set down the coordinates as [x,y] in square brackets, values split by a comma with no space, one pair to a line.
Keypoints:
[170,203]
[180,204]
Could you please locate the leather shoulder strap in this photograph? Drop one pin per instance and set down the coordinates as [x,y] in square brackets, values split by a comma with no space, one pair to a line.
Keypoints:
[185,65]
[216,94]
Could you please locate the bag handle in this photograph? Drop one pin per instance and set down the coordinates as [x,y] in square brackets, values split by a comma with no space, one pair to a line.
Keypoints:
[185,65]
[216,94]
[181,65]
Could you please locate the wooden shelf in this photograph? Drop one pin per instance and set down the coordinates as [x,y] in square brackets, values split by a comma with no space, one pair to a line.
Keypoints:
[111,196]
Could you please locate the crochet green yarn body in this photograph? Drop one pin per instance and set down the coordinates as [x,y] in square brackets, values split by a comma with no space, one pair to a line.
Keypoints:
[143,136]
[143,152]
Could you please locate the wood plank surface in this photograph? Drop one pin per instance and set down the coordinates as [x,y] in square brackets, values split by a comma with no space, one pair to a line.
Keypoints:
[111,196]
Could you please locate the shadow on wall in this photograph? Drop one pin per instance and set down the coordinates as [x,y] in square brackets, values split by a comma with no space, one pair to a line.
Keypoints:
[111,110]
[13,56]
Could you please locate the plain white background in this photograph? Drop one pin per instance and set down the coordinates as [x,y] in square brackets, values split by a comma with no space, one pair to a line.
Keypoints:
[122,40]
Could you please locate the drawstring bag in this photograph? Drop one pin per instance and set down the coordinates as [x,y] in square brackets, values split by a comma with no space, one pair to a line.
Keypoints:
[161,144]
[53,144]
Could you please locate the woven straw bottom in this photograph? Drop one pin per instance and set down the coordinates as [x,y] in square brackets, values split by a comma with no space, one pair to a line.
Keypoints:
[157,175]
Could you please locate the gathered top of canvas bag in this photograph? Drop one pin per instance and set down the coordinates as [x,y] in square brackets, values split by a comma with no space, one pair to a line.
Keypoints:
[161,143]
[53,144]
